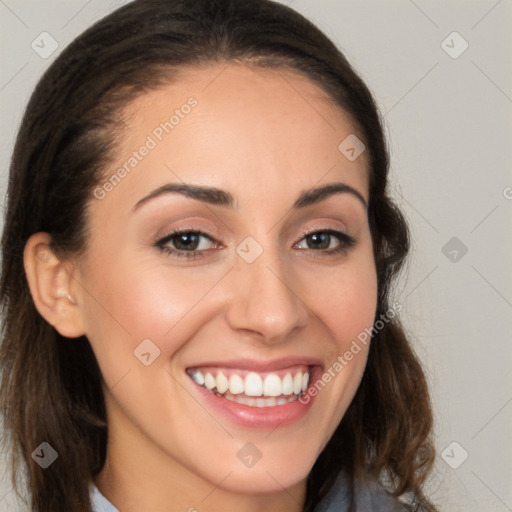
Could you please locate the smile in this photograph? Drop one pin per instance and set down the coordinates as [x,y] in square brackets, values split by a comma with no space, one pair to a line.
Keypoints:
[251,388]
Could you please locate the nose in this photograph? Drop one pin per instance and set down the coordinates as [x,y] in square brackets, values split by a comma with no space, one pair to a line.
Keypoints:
[263,302]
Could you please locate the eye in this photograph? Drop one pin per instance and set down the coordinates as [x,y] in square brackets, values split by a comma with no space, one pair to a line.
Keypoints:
[193,244]
[186,244]
[329,241]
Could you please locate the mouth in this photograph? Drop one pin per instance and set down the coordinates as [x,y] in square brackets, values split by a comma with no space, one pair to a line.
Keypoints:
[251,388]
[256,395]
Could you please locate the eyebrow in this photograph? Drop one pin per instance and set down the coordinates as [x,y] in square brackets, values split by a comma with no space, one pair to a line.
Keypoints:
[219,197]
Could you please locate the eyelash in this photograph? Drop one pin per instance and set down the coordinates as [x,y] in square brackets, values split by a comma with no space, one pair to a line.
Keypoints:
[346,243]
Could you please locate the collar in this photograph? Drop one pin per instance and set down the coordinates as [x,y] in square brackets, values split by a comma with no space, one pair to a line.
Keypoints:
[370,496]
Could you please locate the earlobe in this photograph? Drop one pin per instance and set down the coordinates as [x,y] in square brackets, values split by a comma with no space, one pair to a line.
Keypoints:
[52,286]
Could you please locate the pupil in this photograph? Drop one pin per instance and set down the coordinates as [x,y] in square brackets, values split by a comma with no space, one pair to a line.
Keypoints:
[320,240]
[187,241]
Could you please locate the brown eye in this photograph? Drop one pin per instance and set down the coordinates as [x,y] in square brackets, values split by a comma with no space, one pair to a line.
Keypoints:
[186,241]
[329,241]
[319,241]
[186,244]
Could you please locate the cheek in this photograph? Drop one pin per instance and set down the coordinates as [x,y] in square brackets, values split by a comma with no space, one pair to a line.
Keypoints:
[351,309]
[345,300]
[127,303]
[160,300]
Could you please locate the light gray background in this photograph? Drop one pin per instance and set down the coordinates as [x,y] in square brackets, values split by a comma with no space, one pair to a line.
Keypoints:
[449,125]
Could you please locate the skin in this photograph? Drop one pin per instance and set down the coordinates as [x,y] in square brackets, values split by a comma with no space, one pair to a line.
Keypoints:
[265,136]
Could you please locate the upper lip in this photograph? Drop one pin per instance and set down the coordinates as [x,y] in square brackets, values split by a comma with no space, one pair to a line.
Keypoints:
[261,365]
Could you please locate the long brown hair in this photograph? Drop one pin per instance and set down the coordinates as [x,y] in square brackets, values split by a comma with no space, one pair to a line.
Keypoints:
[51,388]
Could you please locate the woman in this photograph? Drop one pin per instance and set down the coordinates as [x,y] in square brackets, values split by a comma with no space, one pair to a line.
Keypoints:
[199,241]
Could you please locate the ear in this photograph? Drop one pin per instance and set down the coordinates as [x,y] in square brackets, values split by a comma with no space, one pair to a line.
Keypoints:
[53,288]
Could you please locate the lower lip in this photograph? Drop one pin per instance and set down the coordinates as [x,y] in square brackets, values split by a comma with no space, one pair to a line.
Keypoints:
[265,418]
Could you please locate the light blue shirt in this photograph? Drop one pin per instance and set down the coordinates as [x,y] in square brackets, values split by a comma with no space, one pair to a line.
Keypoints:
[99,502]
[367,498]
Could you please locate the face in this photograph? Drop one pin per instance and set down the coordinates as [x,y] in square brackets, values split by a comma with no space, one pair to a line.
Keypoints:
[229,267]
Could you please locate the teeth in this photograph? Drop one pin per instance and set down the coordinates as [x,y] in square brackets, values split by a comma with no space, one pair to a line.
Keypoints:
[288,384]
[222,383]
[209,381]
[297,383]
[265,402]
[260,402]
[253,385]
[271,386]
[236,384]
[305,381]
[198,377]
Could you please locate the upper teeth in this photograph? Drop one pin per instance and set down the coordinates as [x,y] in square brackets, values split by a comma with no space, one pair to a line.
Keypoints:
[253,384]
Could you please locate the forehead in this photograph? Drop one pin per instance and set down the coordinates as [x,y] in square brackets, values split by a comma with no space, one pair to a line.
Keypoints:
[226,124]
